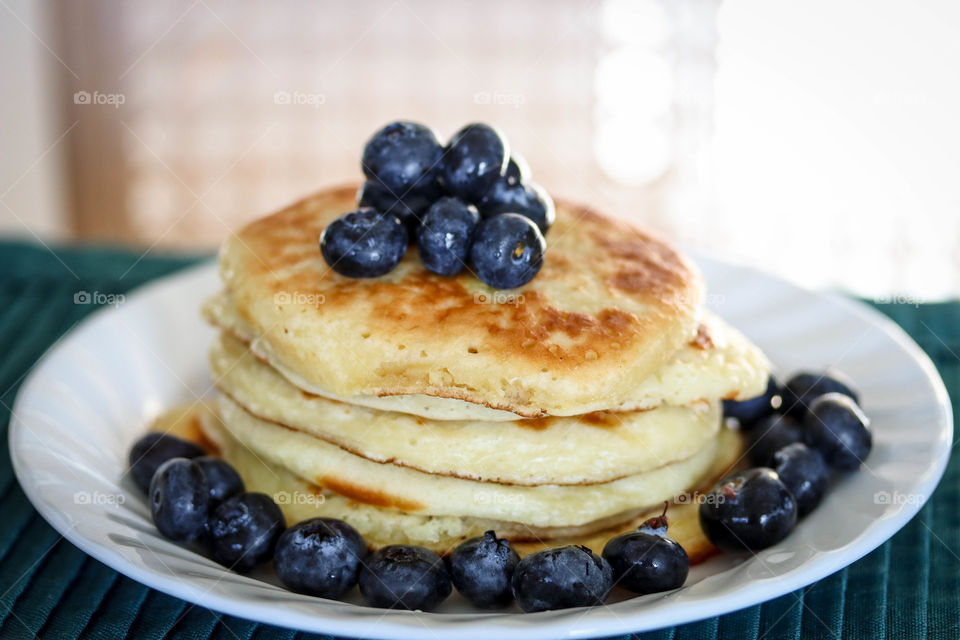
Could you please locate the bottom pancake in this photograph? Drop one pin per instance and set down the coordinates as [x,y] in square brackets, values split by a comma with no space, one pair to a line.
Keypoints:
[301,500]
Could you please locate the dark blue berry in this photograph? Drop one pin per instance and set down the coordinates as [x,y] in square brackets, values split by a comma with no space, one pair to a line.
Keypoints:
[481,569]
[507,251]
[473,160]
[517,170]
[748,511]
[404,577]
[747,412]
[561,578]
[838,429]
[319,557]
[528,199]
[223,480]
[179,499]
[243,529]
[404,157]
[410,208]
[801,390]
[769,435]
[152,450]
[444,237]
[646,560]
[803,471]
[364,243]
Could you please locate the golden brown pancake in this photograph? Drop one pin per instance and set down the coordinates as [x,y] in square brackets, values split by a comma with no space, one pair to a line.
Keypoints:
[718,363]
[611,305]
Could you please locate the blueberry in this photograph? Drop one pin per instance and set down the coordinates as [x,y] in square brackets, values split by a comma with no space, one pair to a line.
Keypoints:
[770,434]
[473,160]
[364,243]
[319,557]
[517,170]
[404,157]
[748,511]
[507,251]
[243,529]
[805,387]
[804,473]
[561,578]
[222,479]
[747,412]
[409,208]
[529,200]
[646,560]
[179,499]
[837,428]
[152,450]
[481,569]
[404,577]
[445,235]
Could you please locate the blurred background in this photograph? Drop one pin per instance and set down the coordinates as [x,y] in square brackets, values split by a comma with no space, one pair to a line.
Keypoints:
[818,140]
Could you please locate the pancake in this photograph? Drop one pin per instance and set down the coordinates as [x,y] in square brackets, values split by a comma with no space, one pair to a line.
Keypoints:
[611,305]
[220,311]
[404,489]
[593,448]
[301,500]
[719,363]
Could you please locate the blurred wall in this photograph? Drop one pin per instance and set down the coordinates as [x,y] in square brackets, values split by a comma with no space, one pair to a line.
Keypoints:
[31,162]
[823,148]
[837,149]
[195,117]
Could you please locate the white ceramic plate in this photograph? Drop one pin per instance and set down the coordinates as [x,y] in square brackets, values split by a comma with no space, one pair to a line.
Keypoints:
[93,394]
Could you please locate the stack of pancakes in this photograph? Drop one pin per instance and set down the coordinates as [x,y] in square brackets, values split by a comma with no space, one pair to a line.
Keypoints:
[426,410]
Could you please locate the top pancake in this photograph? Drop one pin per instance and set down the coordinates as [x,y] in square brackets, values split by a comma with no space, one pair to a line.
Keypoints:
[611,305]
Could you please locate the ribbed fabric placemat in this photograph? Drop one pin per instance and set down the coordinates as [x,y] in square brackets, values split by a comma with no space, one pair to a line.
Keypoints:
[908,588]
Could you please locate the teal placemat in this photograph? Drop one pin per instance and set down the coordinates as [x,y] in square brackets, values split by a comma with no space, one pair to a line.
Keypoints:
[908,588]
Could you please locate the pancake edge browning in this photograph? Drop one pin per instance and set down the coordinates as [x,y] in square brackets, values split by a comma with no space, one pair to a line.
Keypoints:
[590,449]
[404,489]
[380,527]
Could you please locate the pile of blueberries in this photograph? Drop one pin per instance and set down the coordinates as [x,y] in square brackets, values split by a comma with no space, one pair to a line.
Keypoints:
[798,435]
[201,499]
[467,203]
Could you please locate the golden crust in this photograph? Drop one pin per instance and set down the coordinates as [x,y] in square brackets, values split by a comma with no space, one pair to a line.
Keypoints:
[610,306]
